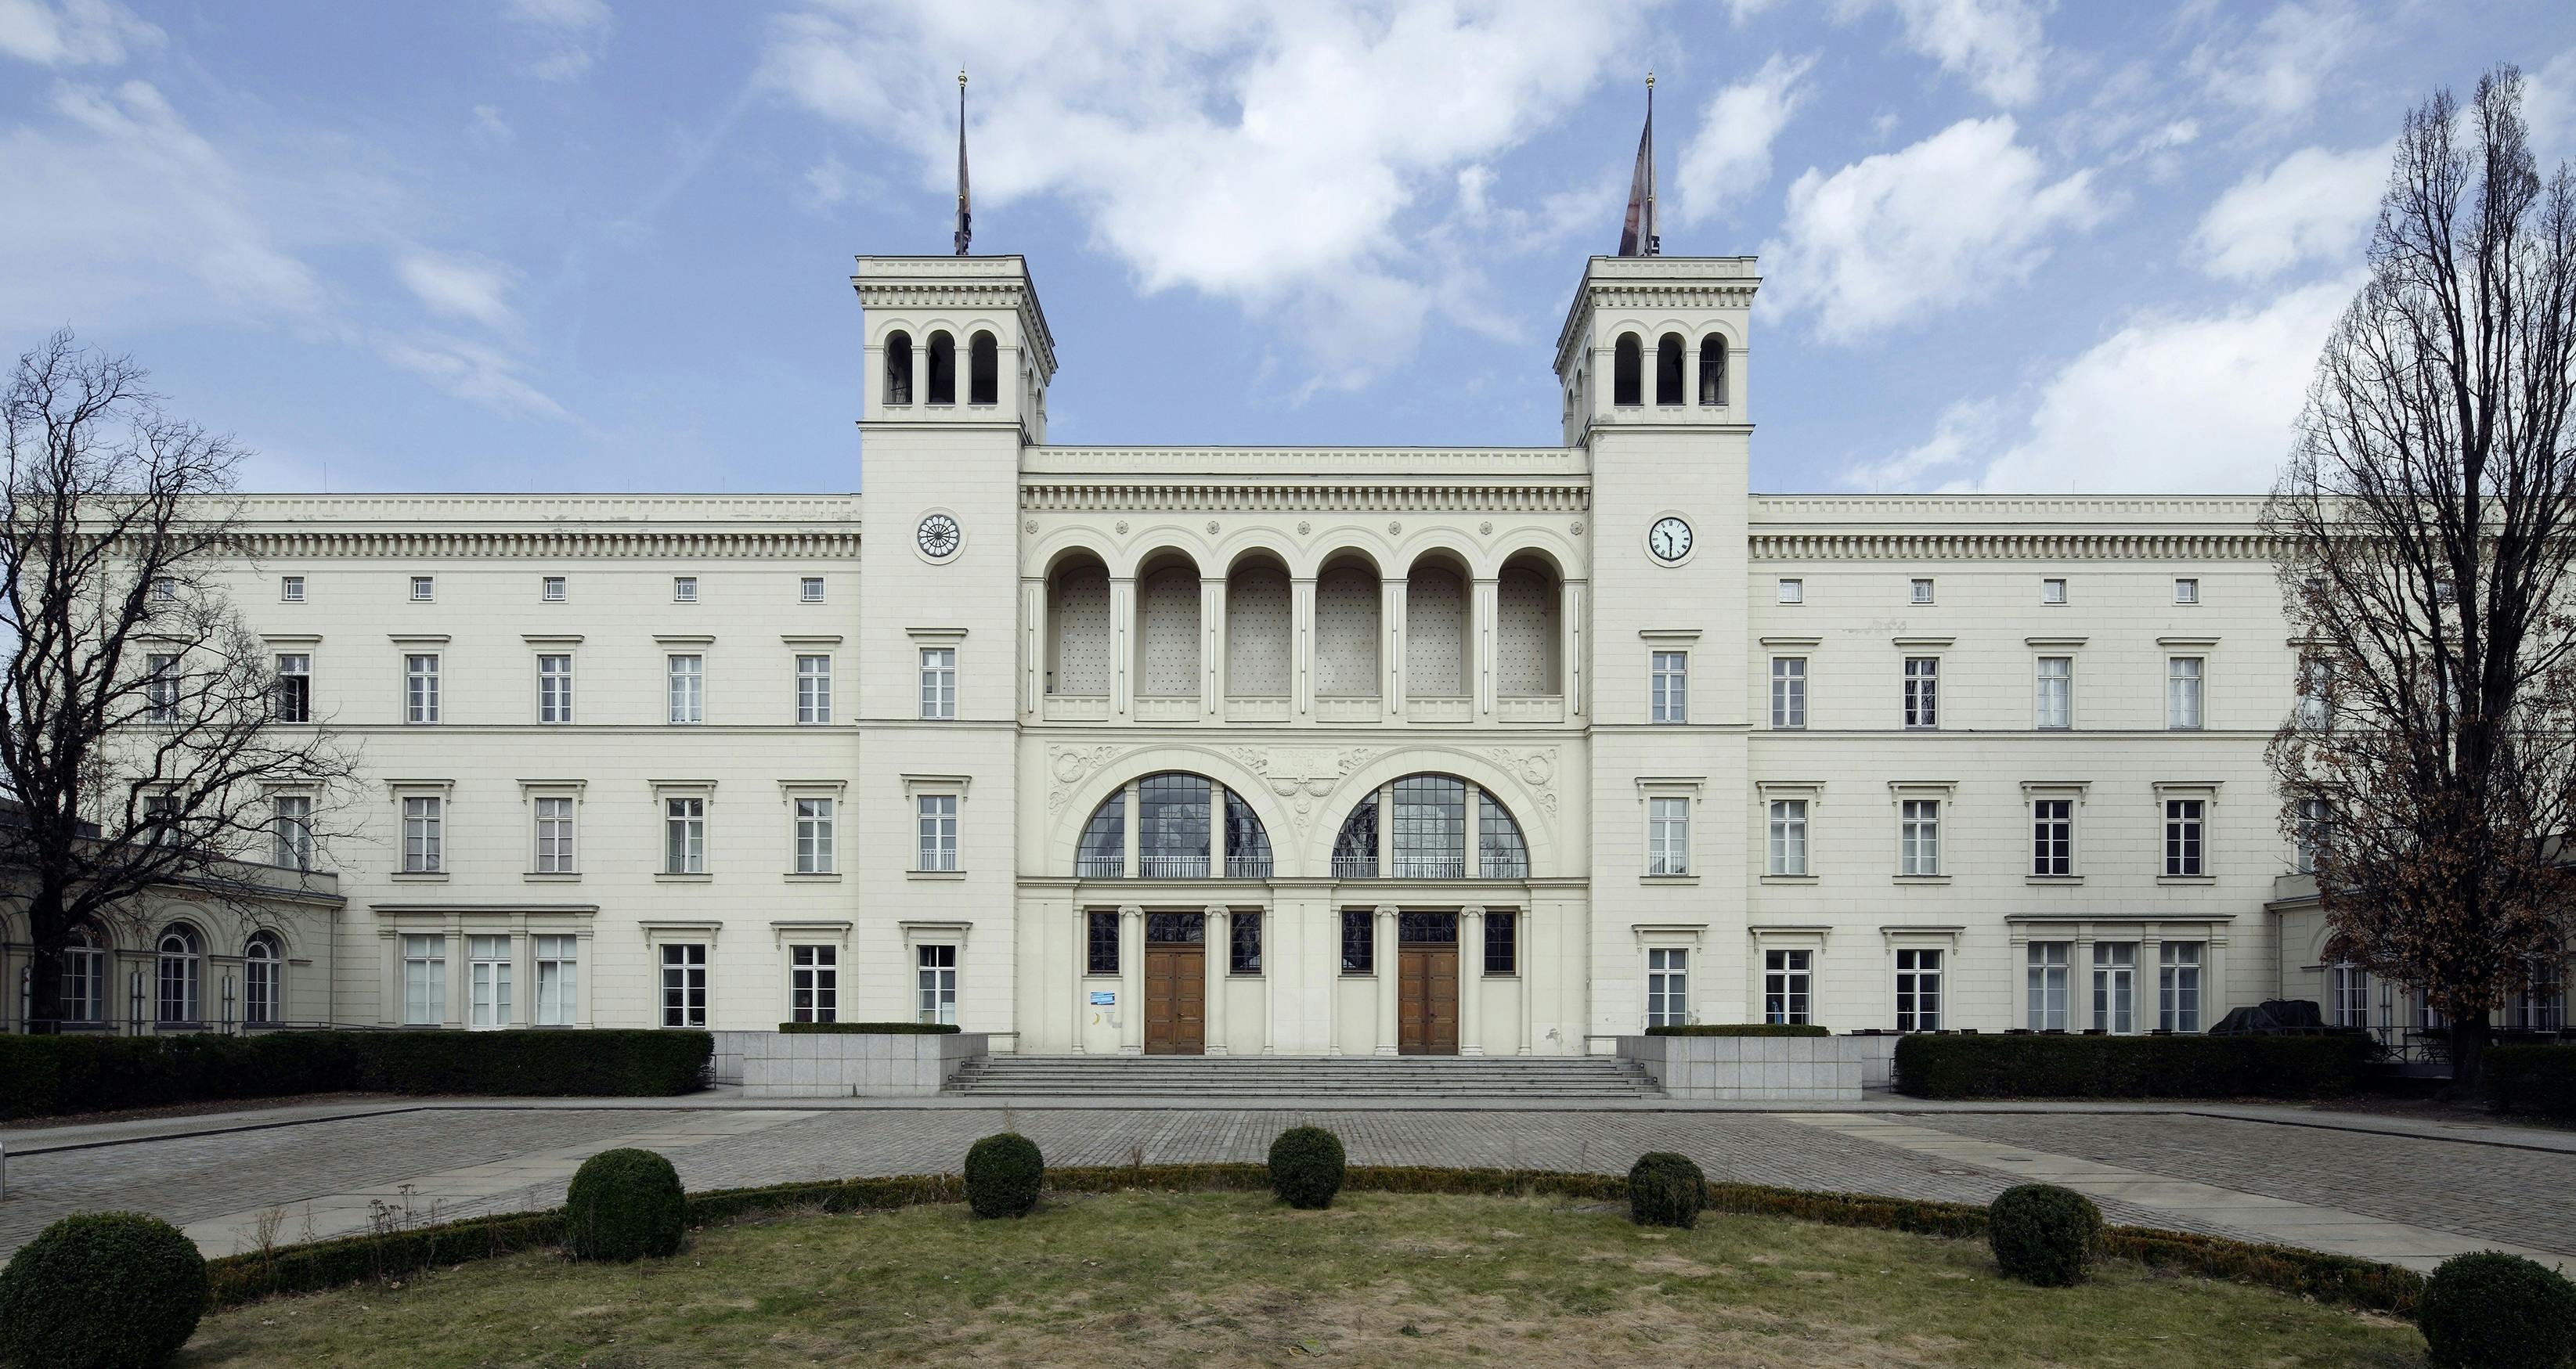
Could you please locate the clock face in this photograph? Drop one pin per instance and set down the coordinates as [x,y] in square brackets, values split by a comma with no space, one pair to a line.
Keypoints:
[939,536]
[1669,539]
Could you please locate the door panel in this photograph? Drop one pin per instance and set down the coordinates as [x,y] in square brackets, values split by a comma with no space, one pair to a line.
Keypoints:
[1175,1000]
[1427,1000]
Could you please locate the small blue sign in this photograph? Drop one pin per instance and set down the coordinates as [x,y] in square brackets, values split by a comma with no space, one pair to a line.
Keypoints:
[1104,998]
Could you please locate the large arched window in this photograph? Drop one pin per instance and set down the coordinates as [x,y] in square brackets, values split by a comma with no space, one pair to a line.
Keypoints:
[898,368]
[943,368]
[1712,370]
[84,962]
[1627,372]
[1103,854]
[1177,834]
[263,982]
[983,370]
[1433,827]
[182,976]
[1355,849]
[1668,369]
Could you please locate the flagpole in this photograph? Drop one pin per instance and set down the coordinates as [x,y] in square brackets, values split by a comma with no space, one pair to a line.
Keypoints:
[965,224]
[1652,246]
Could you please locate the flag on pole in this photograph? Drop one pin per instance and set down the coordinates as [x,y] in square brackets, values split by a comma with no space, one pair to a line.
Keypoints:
[1638,236]
[965,209]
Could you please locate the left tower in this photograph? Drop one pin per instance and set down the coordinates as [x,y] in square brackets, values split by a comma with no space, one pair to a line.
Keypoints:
[957,363]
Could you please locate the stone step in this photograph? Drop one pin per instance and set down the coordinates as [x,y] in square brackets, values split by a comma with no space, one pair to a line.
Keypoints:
[1307,1076]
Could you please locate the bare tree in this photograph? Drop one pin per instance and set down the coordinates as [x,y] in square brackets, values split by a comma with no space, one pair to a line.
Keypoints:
[140,731]
[2425,524]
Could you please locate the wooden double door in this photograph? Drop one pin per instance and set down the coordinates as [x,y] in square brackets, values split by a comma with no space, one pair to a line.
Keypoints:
[1175,984]
[1426,984]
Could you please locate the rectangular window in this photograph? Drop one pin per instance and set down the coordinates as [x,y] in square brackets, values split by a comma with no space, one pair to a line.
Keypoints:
[935,975]
[554,689]
[2347,995]
[1668,836]
[2115,987]
[809,589]
[1502,944]
[2052,838]
[420,688]
[684,984]
[554,837]
[294,829]
[1667,987]
[294,688]
[814,984]
[1787,982]
[551,589]
[2053,707]
[424,836]
[937,818]
[1100,943]
[84,982]
[1788,692]
[2178,987]
[1793,591]
[813,690]
[1918,837]
[939,682]
[2182,692]
[290,589]
[2052,591]
[487,970]
[813,836]
[688,690]
[1919,591]
[2186,591]
[161,688]
[1918,991]
[2183,826]
[2313,817]
[1788,837]
[558,980]
[2047,986]
[1359,941]
[1670,687]
[684,836]
[165,590]
[424,980]
[1243,948]
[423,588]
[1922,691]
[684,589]
[2315,697]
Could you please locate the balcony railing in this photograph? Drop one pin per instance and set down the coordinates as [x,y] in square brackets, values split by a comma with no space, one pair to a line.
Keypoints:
[1100,867]
[1349,708]
[1438,710]
[1530,708]
[1430,867]
[1256,708]
[1171,867]
[1167,709]
[1076,708]
[1354,867]
[1247,867]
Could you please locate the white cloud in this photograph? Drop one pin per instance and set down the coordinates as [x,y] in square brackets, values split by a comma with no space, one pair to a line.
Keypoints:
[473,372]
[2314,206]
[1263,155]
[2280,67]
[461,285]
[827,182]
[1889,239]
[489,124]
[73,33]
[1964,432]
[1742,10]
[1994,45]
[568,33]
[1730,156]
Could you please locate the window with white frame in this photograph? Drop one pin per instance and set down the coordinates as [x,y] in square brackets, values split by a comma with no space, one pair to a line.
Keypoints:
[1793,591]
[424,987]
[2538,1002]
[2115,987]
[2052,838]
[161,687]
[179,961]
[684,589]
[814,830]
[558,965]
[935,979]
[2045,988]
[423,589]
[813,690]
[290,589]
[263,981]
[1667,836]
[161,819]
[1788,692]
[2347,994]
[684,984]
[684,836]
[1788,837]
[935,820]
[2315,683]
[939,682]
[1918,591]
[292,827]
[2182,692]
[2186,591]
[487,982]
[2052,591]
[550,589]
[2053,705]
[1669,687]
[84,962]
[424,834]
[1787,986]
[1918,989]
[2178,986]
[1667,987]
[165,590]
[420,687]
[293,691]
[2311,837]
[2185,824]
[688,689]
[814,983]
[1918,837]
[555,835]
[554,687]
[809,589]
[1922,691]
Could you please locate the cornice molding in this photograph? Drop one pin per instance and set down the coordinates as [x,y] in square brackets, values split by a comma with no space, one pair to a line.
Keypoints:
[1083,496]
[1930,544]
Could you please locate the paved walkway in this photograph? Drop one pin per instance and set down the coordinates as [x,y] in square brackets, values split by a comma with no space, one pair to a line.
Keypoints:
[2405,1190]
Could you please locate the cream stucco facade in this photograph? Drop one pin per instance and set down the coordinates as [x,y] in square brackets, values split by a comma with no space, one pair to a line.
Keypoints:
[1637,740]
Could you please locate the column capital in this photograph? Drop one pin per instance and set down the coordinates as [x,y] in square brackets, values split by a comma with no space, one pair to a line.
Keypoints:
[1215,910]
[1388,910]
[1475,910]
[1131,910]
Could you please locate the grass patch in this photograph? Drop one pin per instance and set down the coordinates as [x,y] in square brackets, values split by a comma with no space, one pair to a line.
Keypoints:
[1237,1278]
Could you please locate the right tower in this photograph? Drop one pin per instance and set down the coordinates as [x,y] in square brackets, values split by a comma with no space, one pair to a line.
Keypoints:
[1655,370]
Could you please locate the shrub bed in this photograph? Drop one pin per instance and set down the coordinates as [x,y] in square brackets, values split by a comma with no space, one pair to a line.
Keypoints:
[1003,1174]
[2045,1235]
[2540,1080]
[2497,1311]
[2131,1066]
[1743,1029]
[101,1290]
[1306,1165]
[45,1076]
[624,1204]
[1665,1189]
[868,1028]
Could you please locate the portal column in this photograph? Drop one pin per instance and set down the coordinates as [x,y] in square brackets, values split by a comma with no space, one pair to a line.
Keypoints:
[1526,959]
[1471,980]
[1391,640]
[1219,945]
[1122,644]
[1386,972]
[1033,646]
[1131,980]
[1301,643]
[1212,662]
[1486,608]
[1081,958]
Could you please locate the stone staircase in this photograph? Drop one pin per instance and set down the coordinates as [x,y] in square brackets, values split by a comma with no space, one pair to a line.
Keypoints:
[1314,1077]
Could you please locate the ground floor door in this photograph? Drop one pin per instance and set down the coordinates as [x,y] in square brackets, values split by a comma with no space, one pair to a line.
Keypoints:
[1426,992]
[1175,984]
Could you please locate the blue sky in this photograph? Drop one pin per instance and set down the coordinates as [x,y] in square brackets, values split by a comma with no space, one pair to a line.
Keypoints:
[587,244]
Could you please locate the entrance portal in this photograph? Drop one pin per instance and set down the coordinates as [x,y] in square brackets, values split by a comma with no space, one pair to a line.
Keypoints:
[1426,991]
[1175,984]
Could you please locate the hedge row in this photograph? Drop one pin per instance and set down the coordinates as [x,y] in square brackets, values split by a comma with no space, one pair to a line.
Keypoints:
[1743,1029]
[2540,1080]
[328,1264]
[46,1076]
[869,1028]
[2037,1066]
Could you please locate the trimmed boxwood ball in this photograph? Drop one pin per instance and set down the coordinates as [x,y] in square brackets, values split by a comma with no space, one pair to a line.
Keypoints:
[1003,1173]
[101,1290]
[2497,1311]
[1306,1166]
[1665,1189]
[2044,1234]
[624,1205]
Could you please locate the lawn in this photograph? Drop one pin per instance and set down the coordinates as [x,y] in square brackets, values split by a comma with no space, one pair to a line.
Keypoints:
[1221,1279]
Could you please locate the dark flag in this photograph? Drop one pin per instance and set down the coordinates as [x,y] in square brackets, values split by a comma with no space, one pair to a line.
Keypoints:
[965,208]
[1638,236]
